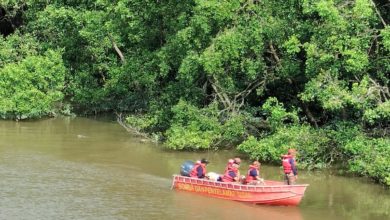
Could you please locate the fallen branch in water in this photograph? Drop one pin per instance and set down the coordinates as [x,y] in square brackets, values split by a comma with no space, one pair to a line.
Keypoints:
[133,130]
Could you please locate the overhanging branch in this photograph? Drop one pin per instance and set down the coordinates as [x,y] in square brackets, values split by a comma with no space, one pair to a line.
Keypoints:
[116,48]
[378,13]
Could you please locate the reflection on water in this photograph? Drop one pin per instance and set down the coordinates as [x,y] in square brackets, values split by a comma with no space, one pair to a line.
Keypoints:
[78,168]
[199,207]
[346,198]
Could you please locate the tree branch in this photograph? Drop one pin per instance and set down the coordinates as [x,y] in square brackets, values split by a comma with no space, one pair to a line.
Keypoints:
[274,54]
[310,115]
[378,13]
[221,97]
[383,91]
[116,48]
[135,131]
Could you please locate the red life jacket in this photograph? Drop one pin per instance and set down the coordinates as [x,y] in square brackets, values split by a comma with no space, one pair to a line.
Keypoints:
[229,165]
[194,171]
[226,177]
[286,164]
[248,176]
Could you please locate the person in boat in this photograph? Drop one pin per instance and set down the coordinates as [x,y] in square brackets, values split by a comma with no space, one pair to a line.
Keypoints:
[199,170]
[237,160]
[231,174]
[253,174]
[229,165]
[289,167]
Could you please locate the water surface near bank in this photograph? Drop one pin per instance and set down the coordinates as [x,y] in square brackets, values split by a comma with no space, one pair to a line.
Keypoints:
[80,168]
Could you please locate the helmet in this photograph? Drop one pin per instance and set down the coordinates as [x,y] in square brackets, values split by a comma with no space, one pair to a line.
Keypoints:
[205,161]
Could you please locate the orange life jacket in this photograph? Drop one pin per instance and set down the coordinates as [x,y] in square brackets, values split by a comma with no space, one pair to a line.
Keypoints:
[194,171]
[229,165]
[226,177]
[287,168]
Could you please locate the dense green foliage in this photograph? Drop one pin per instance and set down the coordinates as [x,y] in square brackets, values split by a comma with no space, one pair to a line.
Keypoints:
[32,86]
[201,128]
[261,75]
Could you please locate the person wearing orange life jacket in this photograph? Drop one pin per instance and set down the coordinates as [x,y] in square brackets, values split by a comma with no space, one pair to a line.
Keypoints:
[229,165]
[253,174]
[289,167]
[237,160]
[199,170]
[232,174]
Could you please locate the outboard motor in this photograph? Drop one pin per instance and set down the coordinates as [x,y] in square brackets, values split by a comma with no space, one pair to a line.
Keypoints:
[186,167]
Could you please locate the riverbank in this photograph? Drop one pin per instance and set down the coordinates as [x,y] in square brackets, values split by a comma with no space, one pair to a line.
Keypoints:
[343,145]
[257,76]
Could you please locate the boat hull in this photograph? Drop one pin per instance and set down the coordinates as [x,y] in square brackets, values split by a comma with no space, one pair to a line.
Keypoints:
[271,193]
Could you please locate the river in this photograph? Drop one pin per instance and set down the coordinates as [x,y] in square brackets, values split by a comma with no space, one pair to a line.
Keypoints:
[81,168]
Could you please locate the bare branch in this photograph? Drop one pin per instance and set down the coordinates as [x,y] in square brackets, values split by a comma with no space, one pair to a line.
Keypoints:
[383,91]
[254,85]
[116,48]
[310,115]
[222,96]
[135,131]
[274,54]
[378,13]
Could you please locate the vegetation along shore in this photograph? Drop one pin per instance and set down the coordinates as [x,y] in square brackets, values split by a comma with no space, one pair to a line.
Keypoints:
[255,76]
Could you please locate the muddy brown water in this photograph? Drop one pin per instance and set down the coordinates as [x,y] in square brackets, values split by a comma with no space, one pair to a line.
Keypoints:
[80,168]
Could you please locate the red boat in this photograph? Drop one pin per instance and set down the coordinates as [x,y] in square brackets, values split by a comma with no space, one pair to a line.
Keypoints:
[271,193]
